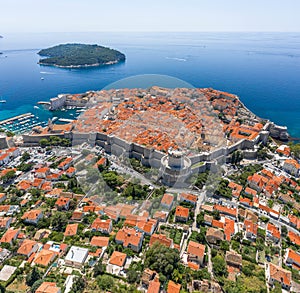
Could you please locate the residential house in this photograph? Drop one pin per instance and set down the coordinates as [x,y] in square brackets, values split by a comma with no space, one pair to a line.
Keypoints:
[5,222]
[173,287]
[250,191]
[291,166]
[181,214]
[143,224]
[76,256]
[3,197]
[276,273]
[104,226]
[130,238]
[162,239]
[236,189]
[148,275]
[42,233]
[70,171]
[250,229]
[167,201]
[292,259]
[9,236]
[71,230]
[77,216]
[65,164]
[42,172]
[233,259]
[231,212]
[63,203]
[195,253]
[189,198]
[294,238]
[273,233]
[99,241]
[48,287]
[257,182]
[44,257]
[116,263]
[214,236]
[32,217]
[28,247]
[154,286]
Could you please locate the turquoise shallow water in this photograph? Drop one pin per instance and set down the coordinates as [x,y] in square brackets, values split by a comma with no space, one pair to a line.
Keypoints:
[262,69]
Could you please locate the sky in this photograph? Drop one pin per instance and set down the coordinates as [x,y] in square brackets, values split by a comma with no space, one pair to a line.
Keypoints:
[144,15]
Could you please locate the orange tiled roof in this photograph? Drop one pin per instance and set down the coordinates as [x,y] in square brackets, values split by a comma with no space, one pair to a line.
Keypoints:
[279,274]
[118,258]
[228,228]
[173,287]
[129,236]
[3,221]
[9,235]
[226,210]
[188,197]
[251,191]
[273,230]
[44,257]
[195,248]
[99,224]
[48,287]
[295,238]
[167,199]
[71,230]
[154,286]
[62,201]
[250,227]
[26,246]
[100,241]
[182,212]
[31,215]
[161,238]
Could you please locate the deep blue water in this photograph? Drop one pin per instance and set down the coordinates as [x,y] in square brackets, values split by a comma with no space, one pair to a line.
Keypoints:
[262,69]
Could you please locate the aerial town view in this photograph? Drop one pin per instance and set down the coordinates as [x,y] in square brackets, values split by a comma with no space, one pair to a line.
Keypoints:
[183,178]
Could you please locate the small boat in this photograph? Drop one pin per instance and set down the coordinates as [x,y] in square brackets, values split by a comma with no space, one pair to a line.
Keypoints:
[42,78]
[35,107]
[2,101]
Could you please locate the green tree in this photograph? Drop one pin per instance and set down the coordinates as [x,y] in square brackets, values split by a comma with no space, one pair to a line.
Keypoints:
[98,269]
[105,282]
[33,276]
[8,176]
[219,266]
[2,289]
[36,285]
[59,221]
[44,142]
[162,259]
[78,286]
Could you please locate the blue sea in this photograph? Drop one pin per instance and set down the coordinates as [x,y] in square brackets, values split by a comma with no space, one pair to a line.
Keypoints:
[263,69]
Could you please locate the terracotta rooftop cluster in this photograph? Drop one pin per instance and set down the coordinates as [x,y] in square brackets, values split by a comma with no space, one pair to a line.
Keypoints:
[160,118]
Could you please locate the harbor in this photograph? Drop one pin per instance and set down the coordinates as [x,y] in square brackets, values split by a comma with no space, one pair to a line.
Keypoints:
[22,123]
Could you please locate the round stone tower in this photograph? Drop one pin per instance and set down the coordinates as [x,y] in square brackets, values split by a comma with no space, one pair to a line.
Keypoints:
[175,168]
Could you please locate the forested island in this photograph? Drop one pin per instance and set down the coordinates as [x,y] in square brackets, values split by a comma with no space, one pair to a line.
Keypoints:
[80,55]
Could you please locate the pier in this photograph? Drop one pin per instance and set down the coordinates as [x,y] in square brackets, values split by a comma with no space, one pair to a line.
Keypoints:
[12,119]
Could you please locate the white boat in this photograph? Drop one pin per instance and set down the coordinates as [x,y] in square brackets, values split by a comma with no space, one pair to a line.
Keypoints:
[54,119]
[42,78]
[2,101]
[35,107]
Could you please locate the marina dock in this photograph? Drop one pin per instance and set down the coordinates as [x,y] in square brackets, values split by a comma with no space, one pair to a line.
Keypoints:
[13,119]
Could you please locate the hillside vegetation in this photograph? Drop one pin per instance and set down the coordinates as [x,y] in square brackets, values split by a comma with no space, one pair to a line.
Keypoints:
[77,55]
